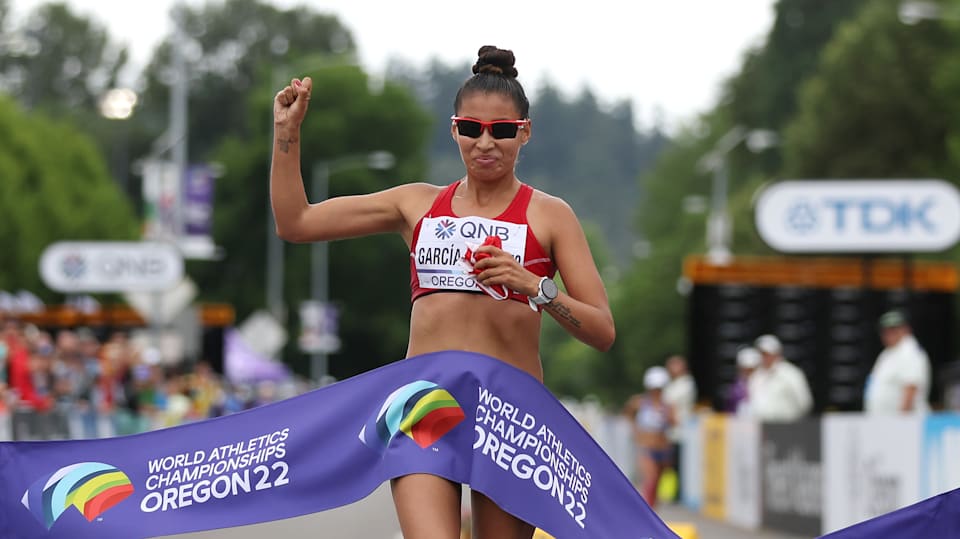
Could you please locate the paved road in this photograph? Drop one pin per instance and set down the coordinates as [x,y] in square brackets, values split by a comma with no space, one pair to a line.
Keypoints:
[373,518]
[708,528]
[370,518]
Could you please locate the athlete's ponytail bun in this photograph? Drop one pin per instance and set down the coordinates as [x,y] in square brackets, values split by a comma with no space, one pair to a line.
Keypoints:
[494,73]
[495,61]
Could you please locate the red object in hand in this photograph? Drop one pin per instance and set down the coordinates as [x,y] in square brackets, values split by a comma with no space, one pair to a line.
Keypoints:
[498,291]
[473,257]
[491,240]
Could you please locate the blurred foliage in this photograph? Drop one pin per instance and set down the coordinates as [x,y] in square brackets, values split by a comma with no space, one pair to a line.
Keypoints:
[836,79]
[54,186]
[852,91]
[345,119]
[240,53]
[59,60]
[233,49]
[871,110]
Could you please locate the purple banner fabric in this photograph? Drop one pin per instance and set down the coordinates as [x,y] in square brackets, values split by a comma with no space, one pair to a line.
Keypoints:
[198,201]
[464,416]
[937,517]
[242,364]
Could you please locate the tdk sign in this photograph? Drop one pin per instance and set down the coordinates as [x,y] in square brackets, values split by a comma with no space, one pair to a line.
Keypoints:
[859,216]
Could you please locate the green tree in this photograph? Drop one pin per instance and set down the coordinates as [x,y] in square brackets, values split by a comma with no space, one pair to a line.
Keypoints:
[763,94]
[231,49]
[649,309]
[871,110]
[239,53]
[63,63]
[346,118]
[59,60]
[48,196]
[764,91]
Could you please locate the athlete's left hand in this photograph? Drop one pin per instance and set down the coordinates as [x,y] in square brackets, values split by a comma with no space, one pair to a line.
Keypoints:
[498,267]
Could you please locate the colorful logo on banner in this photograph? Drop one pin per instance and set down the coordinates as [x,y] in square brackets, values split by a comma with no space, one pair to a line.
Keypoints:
[422,410]
[91,487]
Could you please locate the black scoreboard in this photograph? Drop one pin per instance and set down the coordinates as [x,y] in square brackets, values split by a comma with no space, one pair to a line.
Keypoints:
[823,310]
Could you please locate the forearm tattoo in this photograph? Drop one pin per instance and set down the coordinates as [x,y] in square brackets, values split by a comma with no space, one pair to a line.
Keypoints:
[563,312]
[284,143]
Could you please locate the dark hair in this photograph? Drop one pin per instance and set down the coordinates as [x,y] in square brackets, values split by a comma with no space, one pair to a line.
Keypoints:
[494,73]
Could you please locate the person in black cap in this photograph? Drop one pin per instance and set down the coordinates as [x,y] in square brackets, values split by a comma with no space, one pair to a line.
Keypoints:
[900,379]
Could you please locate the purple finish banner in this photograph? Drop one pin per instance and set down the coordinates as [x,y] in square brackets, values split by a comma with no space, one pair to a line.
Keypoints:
[937,517]
[460,415]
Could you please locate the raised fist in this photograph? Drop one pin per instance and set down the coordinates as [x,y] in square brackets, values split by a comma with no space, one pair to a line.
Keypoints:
[290,104]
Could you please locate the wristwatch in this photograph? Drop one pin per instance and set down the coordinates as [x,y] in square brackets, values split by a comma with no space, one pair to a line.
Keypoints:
[546,292]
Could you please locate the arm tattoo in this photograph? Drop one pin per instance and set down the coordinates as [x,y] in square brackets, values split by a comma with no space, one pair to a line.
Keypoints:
[563,312]
[284,143]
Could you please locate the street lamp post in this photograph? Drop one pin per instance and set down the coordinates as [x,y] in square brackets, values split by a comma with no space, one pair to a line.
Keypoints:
[118,104]
[916,11]
[319,253]
[719,222]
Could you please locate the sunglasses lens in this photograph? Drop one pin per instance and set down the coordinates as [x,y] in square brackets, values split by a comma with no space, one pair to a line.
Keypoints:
[504,130]
[469,128]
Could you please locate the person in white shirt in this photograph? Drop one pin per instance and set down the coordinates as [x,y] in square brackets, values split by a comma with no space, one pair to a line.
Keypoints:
[680,395]
[779,391]
[900,379]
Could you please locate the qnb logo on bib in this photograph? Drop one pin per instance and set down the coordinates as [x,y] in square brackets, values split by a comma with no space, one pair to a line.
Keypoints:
[439,256]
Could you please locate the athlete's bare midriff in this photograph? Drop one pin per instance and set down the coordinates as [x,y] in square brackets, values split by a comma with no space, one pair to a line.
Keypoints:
[508,330]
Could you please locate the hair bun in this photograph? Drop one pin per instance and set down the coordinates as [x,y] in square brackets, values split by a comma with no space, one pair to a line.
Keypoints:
[495,61]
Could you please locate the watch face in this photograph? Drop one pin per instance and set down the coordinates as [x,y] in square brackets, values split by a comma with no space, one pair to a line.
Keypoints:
[549,289]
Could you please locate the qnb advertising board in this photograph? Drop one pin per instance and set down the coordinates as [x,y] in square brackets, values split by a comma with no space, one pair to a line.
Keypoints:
[75,267]
[859,216]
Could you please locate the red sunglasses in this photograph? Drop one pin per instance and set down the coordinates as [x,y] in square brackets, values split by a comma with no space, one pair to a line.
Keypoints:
[499,129]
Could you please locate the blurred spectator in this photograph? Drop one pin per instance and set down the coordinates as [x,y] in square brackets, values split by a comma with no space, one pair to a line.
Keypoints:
[228,402]
[177,408]
[778,389]
[49,423]
[204,389]
[652,419]
[680,394]
[5,432]
[738,397]
[28,404]
[72,385]
[900,379]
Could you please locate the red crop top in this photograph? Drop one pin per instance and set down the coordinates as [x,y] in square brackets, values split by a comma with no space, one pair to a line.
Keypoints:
[435,256]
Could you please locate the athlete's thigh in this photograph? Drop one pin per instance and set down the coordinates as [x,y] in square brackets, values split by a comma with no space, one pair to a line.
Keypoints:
[491,522]
[428,506]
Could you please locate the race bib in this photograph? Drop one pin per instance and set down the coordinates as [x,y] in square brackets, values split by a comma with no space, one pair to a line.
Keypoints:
[443,243]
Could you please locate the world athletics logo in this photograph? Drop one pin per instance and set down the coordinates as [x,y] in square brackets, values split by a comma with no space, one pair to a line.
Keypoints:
[91,487]
[445,229]
[74,266]
[422,410]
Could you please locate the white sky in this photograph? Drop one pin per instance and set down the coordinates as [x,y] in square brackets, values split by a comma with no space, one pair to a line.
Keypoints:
[670,55]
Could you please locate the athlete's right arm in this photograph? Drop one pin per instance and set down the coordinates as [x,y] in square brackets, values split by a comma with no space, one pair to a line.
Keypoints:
[341,217]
